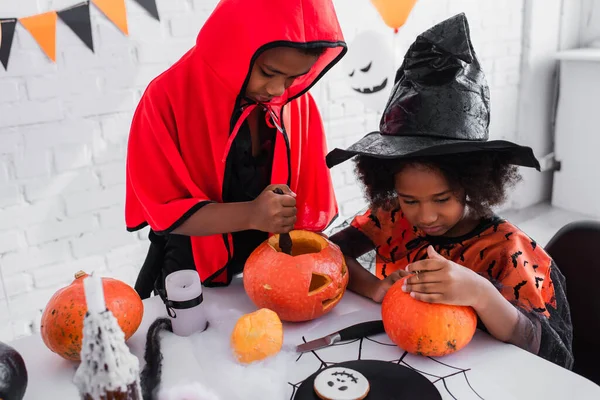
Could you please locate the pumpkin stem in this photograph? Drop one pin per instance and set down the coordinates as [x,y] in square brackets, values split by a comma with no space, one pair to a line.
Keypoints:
[80,274]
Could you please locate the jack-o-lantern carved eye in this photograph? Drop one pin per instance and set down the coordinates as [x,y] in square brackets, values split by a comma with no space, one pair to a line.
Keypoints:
[351,74]
[318,282]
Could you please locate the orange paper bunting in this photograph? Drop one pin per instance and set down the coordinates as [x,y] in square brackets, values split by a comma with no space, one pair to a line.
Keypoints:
[43,29]
[115,11]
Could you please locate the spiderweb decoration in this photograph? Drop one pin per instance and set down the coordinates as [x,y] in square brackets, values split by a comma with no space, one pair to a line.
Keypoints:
[451,381]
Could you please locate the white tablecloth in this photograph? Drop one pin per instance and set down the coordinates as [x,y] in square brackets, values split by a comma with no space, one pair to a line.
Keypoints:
[486,368]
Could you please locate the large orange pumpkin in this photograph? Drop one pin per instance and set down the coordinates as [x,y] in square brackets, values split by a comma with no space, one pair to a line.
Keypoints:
[298,287]
[256,336]
[424,328]
[62,320]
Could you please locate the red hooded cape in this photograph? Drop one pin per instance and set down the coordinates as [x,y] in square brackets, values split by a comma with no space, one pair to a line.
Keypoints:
[186,121]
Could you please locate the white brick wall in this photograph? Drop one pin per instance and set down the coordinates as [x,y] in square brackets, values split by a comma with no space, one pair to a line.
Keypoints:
[64,127]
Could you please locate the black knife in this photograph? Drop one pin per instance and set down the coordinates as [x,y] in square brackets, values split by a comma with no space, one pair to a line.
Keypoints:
[357,331]
[285,241]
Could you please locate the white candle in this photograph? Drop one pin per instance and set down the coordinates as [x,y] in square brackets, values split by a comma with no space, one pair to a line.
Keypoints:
[94,294]
[185,285]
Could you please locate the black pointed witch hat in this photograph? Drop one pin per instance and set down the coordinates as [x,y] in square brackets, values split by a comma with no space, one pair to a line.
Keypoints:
[440,104]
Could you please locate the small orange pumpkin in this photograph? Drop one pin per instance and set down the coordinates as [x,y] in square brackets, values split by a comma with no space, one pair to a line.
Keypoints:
[256,336]
[299,287]
[424,328]
[62,319]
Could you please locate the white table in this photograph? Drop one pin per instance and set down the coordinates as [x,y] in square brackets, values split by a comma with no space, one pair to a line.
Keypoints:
[494,370]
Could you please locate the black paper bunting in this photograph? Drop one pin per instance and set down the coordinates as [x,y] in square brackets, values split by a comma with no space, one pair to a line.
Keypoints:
[8,32]
[78,19]
[150,6]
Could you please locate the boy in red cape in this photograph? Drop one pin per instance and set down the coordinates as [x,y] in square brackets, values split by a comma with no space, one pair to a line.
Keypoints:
[219,131]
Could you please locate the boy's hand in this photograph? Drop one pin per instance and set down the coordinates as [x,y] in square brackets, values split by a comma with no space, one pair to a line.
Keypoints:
[274,213]
[385,284]
[442,281]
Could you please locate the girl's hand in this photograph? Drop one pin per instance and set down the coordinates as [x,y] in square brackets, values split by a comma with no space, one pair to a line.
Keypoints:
[384,285]
[442,281]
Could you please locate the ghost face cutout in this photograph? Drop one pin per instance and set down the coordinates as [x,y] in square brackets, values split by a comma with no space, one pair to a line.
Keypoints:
[369,67]
[341,384]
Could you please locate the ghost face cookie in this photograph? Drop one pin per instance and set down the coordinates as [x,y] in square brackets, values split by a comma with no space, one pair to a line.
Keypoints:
[341,384]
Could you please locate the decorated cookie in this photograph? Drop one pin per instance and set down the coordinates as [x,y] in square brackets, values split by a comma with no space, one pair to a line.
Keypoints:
[341,384]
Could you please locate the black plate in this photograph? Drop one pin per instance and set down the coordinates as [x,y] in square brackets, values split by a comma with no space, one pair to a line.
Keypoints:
[388,381]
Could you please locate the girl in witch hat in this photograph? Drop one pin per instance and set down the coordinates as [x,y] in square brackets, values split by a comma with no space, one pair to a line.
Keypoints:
[229,123]
[432,178]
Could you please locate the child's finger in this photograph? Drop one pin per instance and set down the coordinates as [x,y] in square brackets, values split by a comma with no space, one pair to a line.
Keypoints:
[425,277]
[424,265]
[396,276]
[428,297]
[434,255]
[433,287]
[402,273]
[282,188]
[288,201]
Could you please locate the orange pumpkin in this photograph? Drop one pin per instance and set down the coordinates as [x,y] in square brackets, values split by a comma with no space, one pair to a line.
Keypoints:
[424,328]
[62,320]
[256,336]
[299,287]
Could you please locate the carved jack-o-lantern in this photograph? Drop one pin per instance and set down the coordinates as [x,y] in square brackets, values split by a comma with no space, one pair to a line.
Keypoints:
[298,287]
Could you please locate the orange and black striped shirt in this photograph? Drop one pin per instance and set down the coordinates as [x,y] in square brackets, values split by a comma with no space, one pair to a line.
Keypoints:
[496,249]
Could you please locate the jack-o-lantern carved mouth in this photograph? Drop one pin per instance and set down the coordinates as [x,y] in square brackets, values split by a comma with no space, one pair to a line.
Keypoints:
[330,302]
[371,90]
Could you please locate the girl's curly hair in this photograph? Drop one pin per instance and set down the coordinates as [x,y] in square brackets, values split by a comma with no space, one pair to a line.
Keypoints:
[484,177]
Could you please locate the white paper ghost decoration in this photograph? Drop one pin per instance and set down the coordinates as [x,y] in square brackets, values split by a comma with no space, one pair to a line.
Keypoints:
[369,67]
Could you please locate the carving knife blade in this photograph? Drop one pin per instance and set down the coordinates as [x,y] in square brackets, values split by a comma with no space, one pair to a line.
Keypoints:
[356,331]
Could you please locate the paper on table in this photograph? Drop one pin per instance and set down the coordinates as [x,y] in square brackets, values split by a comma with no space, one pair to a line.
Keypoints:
[183,286]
